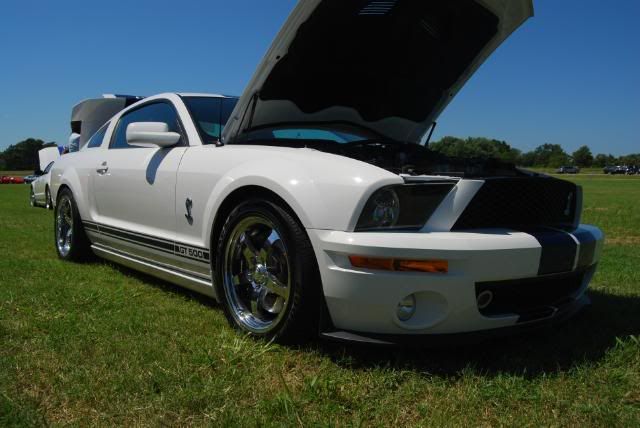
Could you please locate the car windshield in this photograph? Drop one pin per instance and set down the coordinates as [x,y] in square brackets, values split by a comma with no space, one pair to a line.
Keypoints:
[341,133]
[210,114]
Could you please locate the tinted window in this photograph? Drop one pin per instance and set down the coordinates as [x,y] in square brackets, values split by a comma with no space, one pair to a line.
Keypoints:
[48,168]
[228,104]
[210,115]
[98,137]
[156,112]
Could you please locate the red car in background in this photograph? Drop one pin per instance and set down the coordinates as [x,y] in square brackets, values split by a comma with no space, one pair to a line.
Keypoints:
[7,179]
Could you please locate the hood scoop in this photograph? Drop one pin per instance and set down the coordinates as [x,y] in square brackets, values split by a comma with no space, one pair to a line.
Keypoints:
[390,66]
[377,8]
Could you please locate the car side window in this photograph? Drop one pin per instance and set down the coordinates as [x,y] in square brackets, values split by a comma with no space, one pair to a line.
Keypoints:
[48,168]
[98,137]
[155,112]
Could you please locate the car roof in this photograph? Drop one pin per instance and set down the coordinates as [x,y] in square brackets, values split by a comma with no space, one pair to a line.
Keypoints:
[198,94]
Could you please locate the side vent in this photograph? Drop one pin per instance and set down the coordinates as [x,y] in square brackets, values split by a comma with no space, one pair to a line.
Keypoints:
[377,8]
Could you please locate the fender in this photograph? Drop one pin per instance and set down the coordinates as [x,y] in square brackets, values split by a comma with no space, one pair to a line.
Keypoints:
[325,191]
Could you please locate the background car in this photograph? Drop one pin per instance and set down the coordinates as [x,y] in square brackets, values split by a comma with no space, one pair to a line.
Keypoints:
[620,169]
[633,170]
[568,170]
[10,179]
[40,194]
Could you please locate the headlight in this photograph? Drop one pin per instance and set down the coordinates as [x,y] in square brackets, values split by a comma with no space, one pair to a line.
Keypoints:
[383,209]
[406,206]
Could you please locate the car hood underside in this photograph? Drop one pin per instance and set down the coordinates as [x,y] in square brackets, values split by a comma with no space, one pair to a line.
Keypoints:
[390,66]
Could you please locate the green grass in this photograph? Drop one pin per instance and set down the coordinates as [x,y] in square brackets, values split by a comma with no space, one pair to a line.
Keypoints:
[102,345]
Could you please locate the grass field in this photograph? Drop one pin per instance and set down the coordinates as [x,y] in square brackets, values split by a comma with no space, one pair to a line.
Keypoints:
[102,345]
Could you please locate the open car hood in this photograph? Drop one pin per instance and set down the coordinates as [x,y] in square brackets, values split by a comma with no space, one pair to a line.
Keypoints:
[390,66]
[46,156]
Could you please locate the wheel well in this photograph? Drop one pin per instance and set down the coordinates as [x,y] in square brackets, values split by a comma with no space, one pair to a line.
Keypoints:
[243,194]
[237,196]
[60,189]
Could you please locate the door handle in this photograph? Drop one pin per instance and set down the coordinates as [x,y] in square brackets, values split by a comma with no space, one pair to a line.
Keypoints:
[103,169]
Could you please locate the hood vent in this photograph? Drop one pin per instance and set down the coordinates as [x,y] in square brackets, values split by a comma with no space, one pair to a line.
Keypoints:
[377,8]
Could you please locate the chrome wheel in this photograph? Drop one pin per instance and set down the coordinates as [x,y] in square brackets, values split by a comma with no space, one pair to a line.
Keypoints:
[64,225]
[256,274]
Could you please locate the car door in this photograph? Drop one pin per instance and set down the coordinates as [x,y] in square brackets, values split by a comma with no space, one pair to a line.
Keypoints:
[135,187]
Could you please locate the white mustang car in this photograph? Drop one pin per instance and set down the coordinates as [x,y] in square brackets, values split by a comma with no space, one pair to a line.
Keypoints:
[40,193]
[319,209]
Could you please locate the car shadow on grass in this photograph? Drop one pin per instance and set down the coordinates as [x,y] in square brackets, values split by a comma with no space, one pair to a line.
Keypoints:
[163,285]
[586,338]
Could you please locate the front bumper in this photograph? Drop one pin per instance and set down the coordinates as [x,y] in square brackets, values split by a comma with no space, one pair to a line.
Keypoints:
[364,302]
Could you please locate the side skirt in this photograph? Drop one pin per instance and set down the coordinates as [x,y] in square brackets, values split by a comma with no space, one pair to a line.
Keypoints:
[185,280]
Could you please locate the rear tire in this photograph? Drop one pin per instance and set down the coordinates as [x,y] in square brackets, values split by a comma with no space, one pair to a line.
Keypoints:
[70,239]
[267,276]
[48,204]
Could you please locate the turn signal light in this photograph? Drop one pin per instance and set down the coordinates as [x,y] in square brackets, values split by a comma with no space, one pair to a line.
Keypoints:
[377,263]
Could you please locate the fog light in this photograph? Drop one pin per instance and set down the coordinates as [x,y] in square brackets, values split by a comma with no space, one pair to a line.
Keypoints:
[406,308]
[484,299]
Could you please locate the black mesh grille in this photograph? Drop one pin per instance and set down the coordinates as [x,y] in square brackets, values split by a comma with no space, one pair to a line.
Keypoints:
[530,298]
[521,202]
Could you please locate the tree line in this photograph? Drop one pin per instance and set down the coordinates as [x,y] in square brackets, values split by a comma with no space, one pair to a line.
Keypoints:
[545,155]
[24,155]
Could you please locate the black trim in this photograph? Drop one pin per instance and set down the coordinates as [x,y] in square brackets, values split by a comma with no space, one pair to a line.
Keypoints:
[122,238]
[179,249]
[531,299]
[90,226]
[157,242]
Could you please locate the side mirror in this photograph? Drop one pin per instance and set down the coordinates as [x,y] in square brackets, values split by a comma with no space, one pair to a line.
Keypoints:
[151,134]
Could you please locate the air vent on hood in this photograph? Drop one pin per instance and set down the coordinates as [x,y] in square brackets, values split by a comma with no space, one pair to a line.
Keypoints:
[377,8]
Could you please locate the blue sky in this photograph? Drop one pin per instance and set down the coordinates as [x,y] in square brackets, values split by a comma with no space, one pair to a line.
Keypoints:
[571,75]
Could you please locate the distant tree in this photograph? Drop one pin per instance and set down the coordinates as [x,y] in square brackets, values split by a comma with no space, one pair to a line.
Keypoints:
[583,157]
[23,155]
[550,155]
[632,159]
[602,160]
[476,147]
[527,159]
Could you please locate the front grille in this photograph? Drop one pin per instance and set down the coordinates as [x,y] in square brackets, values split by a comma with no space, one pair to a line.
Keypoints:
[521,202]
[531,299]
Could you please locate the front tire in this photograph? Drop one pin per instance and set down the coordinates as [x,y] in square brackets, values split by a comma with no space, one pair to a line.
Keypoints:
[266,274]
[71,240]
[32,197]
